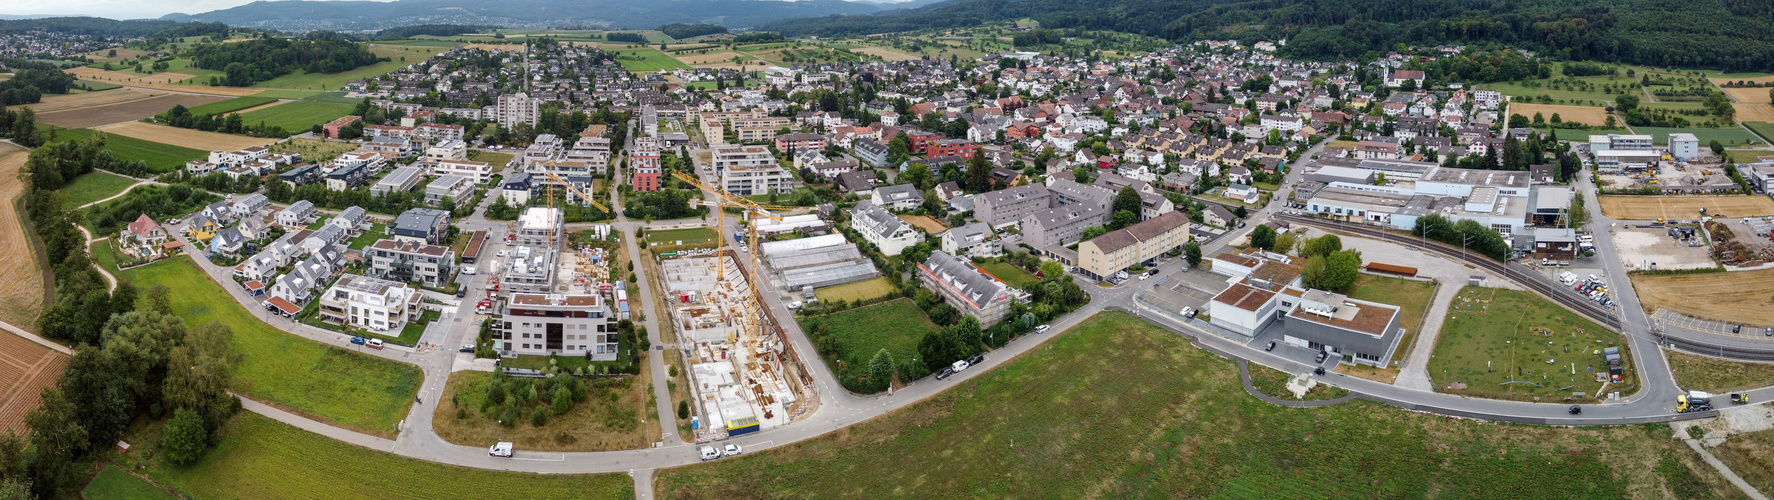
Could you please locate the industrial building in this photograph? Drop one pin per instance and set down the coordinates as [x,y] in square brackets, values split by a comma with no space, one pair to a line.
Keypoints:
[818,262]
[1269,288]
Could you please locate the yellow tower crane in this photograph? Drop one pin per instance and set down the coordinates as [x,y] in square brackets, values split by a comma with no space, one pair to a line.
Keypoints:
[563,182]
[750,319]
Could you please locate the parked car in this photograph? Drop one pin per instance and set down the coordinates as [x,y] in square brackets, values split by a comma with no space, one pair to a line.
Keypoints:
[959,366]
[466,348]
[945,373]
[461,292]
[1576,410]
[1269,347]
[1042,328]
[468,270]
[357,340]
[710,453]
[731,450]
[1320,357]
[1190,312]
[1769,331]
[502,449]
[976,359]
[375,343]
[1736,328]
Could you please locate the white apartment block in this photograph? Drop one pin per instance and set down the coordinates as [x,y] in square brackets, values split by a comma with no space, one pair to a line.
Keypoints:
[372,304]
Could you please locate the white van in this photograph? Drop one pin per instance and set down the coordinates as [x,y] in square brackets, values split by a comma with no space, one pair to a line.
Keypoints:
[959,366]
[468,270]
[710,453]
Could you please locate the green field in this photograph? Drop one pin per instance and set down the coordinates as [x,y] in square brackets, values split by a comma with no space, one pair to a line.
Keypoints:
[328,383]
[689,236]
[1746,155]
[297,117]
[1011,274]
[264,459]
[1583,135]
[232,105]
[646,60]
[368,237]
[1733,136]
[161,158]
[1411,297]
[398,57]
[861,290]
[179,65]
[114,483]
[895,325]
[1764,128]
[94,187]
[496,160]
[1117,408]
[1491,334]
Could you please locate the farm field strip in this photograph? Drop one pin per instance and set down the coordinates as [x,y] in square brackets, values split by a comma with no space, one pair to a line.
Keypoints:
[194,139]
[58,102]
[1587,115]
[297,116]
[1738,296]
[93,116]
[160,157]
[21,278]
[1684,207]
[232,105]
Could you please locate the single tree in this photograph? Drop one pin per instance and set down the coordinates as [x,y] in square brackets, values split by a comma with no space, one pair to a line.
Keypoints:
[1192,253]
[1263,237]
[185,437]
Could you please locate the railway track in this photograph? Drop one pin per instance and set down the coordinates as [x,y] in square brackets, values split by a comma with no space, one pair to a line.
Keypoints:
[1539,284]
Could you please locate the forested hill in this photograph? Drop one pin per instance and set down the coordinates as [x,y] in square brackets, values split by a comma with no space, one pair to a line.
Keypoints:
[1733,34]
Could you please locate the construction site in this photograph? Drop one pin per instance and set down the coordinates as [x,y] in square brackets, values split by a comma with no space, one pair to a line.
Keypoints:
[745,376]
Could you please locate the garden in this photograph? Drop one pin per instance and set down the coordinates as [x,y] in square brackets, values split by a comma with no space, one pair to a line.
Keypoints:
[1510,344]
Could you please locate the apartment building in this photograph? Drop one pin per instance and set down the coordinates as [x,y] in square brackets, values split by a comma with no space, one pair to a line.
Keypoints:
[1007,206]
[561,324]
[733,156]
[750,180]
[475,171]
[373,304]
[1137,244]
[643,163]
[537,225]
[406,261]
[885,230]
[972,292]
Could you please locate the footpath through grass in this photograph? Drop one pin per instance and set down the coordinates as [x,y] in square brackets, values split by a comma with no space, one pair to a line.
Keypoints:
[1497,343]
[114,483]
[328,383]
[264,459]
[95,186]
[1118,408]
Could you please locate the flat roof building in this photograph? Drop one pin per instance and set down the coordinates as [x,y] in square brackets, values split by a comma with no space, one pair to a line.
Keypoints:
[559,324]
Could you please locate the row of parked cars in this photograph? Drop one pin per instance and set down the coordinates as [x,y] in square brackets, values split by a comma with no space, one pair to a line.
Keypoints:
[1592,287]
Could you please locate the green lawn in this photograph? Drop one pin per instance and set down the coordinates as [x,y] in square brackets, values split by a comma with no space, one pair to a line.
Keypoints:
[232,105]
[114,483]
[1732,136]
[1764,128]
[1011,274]
[861,290]
[1491,334]
[896,325]
[1746,155]
[689,236]
[1117,408]
[646,60]
[496,160]
[296,117]
[264,459]
[1583,135]
[368,237]
[1411,297]
[161,158]
[94,187]
[398,56]
[329,383]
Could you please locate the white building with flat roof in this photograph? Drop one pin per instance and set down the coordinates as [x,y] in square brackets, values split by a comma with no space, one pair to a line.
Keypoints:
[1684,147]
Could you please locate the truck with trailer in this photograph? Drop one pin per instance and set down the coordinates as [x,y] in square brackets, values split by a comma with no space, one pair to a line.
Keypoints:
[1693,401]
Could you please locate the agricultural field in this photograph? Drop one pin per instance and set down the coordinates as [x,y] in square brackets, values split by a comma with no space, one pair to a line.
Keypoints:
[184,137]
[1704,373]
[1737,296]
[128,77]
[327,383]
[296,117]
[895,325]
[1412,298]
[1011,274]
[1587,115]
[57,102]
[1075,419]
[1747,155]
[646,60]
[1684,207]
[113,483]
[398,56]
[1765,128]
[22,279]
[161,158]
[262,458]
[690,236]
[26,367]
[1730,136]
[1751,456]
[1510,344]
[232,105]
[1754,111]
[1580,91]
[861,290]
[122,54]
[886,54]
[611,417]
[93,116]
[710,58]
[95,186]
[1748,94]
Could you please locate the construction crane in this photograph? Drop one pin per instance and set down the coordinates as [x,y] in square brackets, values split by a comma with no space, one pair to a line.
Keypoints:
[722,200]
[563,182]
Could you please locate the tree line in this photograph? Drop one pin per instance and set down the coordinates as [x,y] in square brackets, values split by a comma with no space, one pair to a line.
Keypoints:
[248,62]
[681,31]
[31,79]
[229,123]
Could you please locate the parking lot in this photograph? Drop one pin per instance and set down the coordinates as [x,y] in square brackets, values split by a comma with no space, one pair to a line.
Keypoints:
[1653,248]
[1192,288]
[1672,321]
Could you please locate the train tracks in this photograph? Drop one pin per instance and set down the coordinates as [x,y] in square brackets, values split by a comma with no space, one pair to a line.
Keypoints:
[1541,285]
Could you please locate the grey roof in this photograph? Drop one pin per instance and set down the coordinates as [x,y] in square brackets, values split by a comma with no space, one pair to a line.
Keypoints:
[877,219]
[354,214]
[1079,192]
[400,177]
[961,277]
[969,235]
[1010,194]
[300,207]
[418,221]
[899,192]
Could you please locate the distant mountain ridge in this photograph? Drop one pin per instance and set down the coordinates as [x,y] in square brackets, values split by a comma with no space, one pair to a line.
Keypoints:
[615,14]
[1732,34]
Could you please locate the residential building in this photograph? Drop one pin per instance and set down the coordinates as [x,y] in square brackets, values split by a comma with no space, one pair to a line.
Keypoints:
[751,180]
[966,288]
[871,152]
[512,109]
[144,231]
[579,325]
[1141,244]
[351,219]
[347,177]
[537,225]
[372,304]
[789,143]
[457,189]
[302,280]
[421,225]
[897,197]
[972,240]
[249,205]
[516,189]
[725,157]
[475,171]
[950,147]
[1060,226]
[446,151]
[644,168]
[1007,206]
[406,261]
[401,180]
[301,175]
[885,230]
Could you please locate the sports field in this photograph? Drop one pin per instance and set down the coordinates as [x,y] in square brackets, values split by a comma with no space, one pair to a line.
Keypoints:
[1745,297]
[329,383]
[161,158]
[93,116]
[1684,207]
[21,280]
[262,458]
[1118,408]
[296,117]
[1587,115]
[194,139]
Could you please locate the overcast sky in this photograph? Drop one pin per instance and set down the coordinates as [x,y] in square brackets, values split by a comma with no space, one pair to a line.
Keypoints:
[115,9]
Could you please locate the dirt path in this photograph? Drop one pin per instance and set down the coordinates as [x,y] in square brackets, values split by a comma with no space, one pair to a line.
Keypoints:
[113,197]
[110,281]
